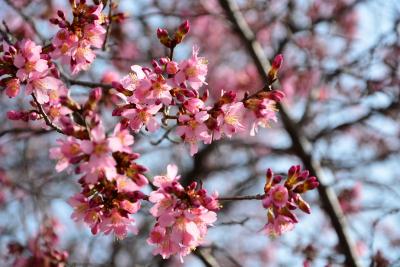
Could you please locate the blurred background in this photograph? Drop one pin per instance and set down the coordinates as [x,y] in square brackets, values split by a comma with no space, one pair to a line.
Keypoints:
[341,77]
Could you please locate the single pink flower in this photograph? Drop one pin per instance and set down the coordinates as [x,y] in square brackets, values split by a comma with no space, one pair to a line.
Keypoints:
[193,129]
[143,116]
[231,121]
[193,71]
[28,60]
[279,225]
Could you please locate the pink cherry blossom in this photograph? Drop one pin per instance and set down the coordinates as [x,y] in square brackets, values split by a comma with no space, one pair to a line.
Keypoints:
[100,162]
[121,139]
[117,224]
[278,226]
[43,88]
[230,121]
[142,116]
[82,57]
[193,71]
[183,215]
[278,196]
[66,151]
[193,129]
[28,60]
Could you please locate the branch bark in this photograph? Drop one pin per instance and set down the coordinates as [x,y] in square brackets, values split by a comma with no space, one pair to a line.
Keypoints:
[301,145]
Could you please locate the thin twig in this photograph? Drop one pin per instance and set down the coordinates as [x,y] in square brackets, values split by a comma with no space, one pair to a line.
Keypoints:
[45,117]
[22,130]
[27,18]
[108,30]
[235,198]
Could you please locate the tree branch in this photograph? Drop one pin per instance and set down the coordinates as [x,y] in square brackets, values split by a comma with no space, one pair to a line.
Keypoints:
[301,145]
[45,117]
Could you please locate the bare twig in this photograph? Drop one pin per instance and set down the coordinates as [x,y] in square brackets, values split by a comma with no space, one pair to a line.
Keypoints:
[27,18]
[108,30]
[205,255]
[235,198]
[45,117]
[22,130]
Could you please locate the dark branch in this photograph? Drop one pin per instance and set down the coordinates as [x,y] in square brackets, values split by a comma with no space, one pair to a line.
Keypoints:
[301,145]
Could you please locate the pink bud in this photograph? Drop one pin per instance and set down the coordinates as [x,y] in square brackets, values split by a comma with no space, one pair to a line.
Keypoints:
[95,94]
[54,21]
[172,67]
[277,63]
[12,87]
[60,14]
[269,173]
[33,116]
[292,171]
[15,115]
[184,27]
[162,33]
[164,60]
[277,179]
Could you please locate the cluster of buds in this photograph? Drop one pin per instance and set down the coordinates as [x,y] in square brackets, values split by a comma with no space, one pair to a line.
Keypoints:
[178,37]
[183,215]
[281,199]
[40,250]
[74,41]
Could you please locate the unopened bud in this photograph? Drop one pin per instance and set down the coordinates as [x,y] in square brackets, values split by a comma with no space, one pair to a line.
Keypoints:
[163,36]
[54,21]
[277,63]
[60,14]
[180,34]
[172,67]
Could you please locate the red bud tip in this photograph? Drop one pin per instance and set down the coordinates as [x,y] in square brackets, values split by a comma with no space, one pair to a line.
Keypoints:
[277,63]
[161,33]
[184,27]
[269,173]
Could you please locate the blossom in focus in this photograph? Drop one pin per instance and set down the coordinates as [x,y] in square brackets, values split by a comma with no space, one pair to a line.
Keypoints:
[192,71]
[192,129]
[183,215]
[28,60]
[74,41]
[142,116]
[281,199]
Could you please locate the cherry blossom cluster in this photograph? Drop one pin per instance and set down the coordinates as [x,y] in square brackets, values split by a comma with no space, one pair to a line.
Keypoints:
[172,90]
[110,180]
[183,215]
[74,41]
[40,250]
[281,199]
[26,63]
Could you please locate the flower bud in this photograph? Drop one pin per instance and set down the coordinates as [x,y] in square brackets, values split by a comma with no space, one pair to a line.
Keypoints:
[180,34]
[15,115]
[12,87]
[61,14]
[277,63]
[172,67]
[163,37]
